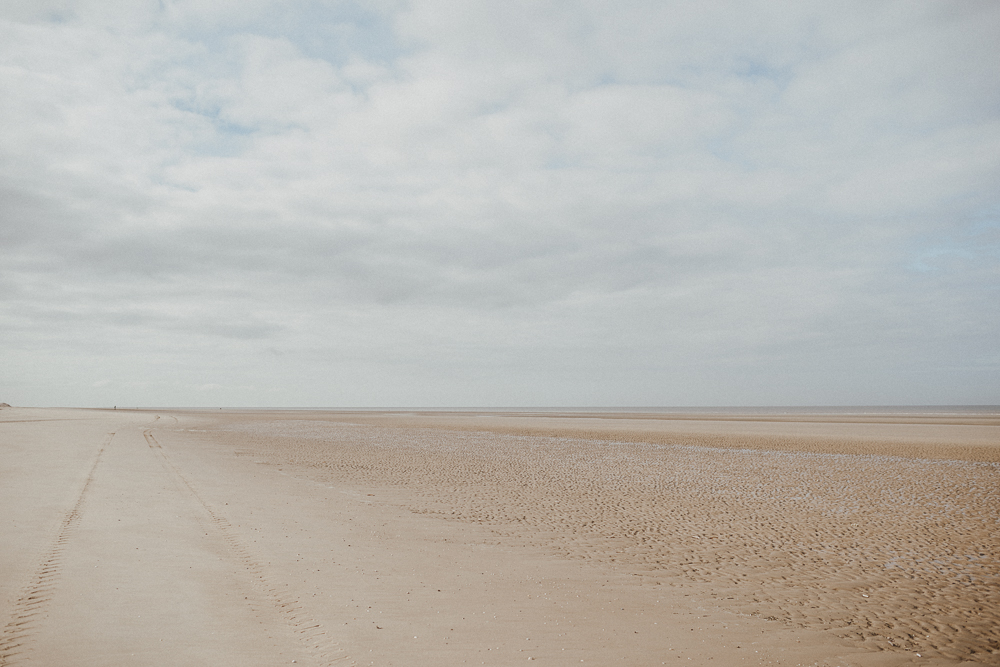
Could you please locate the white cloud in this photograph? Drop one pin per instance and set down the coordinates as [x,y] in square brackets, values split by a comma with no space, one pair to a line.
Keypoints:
[461,202]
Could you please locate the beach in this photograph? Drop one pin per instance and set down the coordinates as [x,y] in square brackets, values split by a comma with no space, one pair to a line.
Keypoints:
[264,537]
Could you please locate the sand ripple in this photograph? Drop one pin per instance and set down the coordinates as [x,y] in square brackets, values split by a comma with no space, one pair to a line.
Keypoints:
[888,552]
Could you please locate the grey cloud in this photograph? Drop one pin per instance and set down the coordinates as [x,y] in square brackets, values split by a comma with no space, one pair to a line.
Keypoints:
[532,202]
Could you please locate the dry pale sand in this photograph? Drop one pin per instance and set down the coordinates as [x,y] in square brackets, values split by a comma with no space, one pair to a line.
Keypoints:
[327,538]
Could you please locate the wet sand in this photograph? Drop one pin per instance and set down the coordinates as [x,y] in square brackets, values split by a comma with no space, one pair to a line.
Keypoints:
[406,538]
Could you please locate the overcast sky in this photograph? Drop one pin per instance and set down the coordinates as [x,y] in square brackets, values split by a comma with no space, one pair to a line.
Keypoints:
[519,203]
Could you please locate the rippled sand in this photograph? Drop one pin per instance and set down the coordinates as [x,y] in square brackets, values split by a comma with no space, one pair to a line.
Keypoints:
[893,553]
[256,538]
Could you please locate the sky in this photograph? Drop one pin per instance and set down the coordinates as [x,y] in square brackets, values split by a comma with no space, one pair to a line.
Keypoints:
[526,203]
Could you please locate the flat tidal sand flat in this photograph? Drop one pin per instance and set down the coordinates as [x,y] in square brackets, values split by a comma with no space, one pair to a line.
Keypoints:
[892,553]
[246,538]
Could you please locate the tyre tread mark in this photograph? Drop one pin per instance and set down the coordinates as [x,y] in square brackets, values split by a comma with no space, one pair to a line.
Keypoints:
[309,631]
[15,639]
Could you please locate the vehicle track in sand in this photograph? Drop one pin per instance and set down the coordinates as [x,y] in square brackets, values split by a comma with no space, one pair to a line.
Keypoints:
[29,607]
[311,633]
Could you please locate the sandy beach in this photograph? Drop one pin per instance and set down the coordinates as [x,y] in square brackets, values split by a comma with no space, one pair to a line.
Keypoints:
[240,537]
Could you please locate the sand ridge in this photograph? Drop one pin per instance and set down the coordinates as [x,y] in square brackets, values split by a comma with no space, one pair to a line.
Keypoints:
[969,437]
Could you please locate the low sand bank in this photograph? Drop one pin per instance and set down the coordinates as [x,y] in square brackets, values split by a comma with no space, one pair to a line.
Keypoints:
[971,436]
[411,539]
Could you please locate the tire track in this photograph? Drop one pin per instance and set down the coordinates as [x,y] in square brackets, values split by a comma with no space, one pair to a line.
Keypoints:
[309,631]
[29,608]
